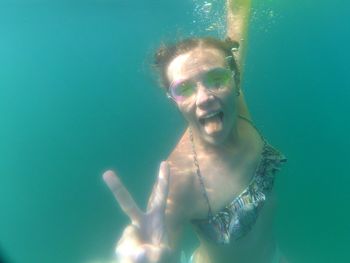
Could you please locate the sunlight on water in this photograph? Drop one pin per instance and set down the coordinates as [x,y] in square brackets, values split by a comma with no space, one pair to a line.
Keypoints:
[208,17]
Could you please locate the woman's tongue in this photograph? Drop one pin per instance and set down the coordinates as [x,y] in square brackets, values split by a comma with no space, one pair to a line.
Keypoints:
[212,124]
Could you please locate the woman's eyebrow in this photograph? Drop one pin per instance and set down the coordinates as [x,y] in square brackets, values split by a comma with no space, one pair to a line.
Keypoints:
[177,81]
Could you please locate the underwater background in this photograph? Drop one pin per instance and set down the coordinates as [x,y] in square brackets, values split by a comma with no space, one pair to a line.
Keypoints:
[77,97]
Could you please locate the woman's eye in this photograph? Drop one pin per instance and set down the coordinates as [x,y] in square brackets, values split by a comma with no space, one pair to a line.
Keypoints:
[218,80]
[184,89]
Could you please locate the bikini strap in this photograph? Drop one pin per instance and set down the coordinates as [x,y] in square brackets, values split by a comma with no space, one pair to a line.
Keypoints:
[253,125]
[198,171]
[199,175]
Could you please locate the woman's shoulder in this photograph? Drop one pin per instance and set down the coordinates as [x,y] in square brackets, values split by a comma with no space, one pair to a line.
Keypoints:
[181,159]
[181,176]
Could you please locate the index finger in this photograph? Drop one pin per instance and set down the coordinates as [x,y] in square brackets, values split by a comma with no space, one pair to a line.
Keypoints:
[122,196]
[160,192]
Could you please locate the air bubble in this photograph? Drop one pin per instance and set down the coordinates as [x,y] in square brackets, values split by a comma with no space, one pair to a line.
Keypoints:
[207,7]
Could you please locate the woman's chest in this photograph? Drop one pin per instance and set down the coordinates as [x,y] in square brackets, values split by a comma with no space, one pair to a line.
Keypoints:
[218,181]
[258,239]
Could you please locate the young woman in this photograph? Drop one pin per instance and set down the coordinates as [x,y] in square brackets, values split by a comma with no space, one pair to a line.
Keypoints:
[219,178]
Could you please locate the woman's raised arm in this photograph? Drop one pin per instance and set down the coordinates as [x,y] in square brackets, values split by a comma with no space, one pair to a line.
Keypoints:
[238,15]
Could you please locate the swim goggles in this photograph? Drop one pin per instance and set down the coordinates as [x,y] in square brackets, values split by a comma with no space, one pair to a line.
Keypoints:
[214,80]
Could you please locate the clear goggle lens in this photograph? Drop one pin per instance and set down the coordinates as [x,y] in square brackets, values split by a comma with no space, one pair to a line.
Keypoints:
[213,80]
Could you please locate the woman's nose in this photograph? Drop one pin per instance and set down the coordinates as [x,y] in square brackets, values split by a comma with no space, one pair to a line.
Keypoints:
[203,95]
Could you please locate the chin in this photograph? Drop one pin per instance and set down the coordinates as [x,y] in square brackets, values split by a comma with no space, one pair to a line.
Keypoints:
[216,139]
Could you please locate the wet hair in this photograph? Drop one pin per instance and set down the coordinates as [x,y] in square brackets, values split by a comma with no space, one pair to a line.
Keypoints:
[167,52]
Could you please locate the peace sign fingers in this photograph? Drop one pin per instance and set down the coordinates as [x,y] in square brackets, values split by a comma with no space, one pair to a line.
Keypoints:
[160,192]
[123,197]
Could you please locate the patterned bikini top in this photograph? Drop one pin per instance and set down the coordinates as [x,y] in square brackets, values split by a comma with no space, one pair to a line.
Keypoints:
[238,217]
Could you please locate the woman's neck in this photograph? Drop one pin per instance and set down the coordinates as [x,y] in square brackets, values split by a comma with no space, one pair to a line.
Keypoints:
[234,143]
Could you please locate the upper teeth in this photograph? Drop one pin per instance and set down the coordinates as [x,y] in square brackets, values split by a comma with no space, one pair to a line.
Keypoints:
[211,115]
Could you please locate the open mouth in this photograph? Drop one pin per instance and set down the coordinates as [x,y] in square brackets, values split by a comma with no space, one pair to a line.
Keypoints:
[212,122]
[214,115]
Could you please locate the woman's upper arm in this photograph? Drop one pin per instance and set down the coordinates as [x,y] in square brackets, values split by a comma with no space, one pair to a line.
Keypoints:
[176,216]
[174,227]
[238,15]
[177,211]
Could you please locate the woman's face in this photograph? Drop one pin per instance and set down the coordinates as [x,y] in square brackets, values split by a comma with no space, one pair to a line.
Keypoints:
[202,75]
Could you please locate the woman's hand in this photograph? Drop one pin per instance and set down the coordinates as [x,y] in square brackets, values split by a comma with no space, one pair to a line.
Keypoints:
[145,239]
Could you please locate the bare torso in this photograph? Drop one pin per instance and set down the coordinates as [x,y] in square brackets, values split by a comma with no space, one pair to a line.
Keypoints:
[226,173]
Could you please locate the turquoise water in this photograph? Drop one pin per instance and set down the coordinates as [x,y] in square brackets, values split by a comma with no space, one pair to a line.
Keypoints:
[77,97]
